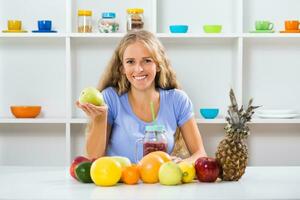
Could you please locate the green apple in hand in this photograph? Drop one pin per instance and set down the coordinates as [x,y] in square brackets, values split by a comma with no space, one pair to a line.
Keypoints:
[91,95]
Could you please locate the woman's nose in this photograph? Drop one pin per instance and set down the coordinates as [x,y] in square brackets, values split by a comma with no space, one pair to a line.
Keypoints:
[139,68]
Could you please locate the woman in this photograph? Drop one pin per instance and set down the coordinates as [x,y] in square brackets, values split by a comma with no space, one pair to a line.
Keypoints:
[139,73]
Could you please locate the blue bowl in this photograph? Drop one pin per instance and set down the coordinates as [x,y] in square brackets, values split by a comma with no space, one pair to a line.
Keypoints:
[209,113]
[178,28]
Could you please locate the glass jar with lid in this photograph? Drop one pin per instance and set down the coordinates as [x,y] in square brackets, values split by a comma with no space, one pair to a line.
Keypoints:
[135,18]
[108,23]
[155,139]
[84,23]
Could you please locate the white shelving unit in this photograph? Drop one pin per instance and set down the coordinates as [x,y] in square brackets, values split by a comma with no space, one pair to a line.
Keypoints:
[50,69]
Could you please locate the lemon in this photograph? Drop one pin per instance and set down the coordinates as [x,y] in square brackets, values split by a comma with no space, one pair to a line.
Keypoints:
[188,171]
[106,171]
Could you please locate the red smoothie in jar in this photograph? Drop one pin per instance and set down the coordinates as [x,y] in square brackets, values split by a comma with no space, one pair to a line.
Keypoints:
[149,147]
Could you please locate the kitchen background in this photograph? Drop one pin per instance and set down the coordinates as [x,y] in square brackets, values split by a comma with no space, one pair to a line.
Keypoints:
[50,69]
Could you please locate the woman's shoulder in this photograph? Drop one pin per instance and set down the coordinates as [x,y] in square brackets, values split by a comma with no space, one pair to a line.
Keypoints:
[110,94]
[111,91]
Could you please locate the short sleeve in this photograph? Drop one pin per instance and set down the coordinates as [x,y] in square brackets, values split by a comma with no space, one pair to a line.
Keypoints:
[183,107]
[111,98]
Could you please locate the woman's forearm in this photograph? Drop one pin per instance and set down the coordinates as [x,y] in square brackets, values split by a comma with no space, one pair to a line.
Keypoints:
[96,138]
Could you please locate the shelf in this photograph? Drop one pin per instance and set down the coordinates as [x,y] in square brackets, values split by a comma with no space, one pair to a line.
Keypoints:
[271,35]
[275,121]
[33,121]
[97,35]
[210,121]
[199,35]
[253,121]
[79,121]
[220,121]
[32,35]
[159,35]
[85,121]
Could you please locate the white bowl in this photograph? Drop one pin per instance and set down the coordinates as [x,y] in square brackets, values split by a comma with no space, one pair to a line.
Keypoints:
[277,111]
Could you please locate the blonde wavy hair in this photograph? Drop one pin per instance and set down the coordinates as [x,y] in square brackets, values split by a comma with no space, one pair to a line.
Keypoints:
[113,76]
[165,77]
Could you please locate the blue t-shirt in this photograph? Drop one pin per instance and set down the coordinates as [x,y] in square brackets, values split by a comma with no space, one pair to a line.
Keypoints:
[175,109]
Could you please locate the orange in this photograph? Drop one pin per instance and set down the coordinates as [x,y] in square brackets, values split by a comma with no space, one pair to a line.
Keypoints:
[165,156]
[130,175]
[149,167]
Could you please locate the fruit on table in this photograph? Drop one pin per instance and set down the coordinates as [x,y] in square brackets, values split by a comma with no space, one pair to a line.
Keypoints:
[170,174]
[188,171]
[124,161]
[165,156]
[75,162]
[207,169]
[91,95]
[232,152]
[130,175]
[82,172]
[106,171]
[149,167]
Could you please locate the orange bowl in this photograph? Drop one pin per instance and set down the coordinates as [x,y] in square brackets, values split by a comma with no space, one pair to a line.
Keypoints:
[25,111]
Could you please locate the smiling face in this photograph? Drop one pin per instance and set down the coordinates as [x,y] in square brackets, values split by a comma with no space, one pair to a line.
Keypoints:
[139,67]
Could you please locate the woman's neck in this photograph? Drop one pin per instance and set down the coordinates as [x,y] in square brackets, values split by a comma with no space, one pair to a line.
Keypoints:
[140,102]
[143,97]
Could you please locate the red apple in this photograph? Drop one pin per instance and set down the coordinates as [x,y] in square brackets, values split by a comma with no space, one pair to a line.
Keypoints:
[76,161]
[207,169]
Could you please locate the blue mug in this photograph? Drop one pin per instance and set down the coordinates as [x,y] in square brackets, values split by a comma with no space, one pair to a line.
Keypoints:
[44,25]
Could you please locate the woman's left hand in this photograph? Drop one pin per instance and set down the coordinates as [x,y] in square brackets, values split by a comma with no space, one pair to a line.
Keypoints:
[176,159]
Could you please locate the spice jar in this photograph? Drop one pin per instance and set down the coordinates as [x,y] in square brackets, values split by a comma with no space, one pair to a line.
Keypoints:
[84,21]
[135,18]
[108,23]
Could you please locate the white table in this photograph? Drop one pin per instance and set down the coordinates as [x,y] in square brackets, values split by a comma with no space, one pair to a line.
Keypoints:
[18,182]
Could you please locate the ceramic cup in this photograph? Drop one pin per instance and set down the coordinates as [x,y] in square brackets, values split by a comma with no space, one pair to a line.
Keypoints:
[263,25]
[291,25]
[14,25]
[44,25]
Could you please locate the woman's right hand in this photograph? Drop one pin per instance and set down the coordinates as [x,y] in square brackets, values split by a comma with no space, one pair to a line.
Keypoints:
[92,111]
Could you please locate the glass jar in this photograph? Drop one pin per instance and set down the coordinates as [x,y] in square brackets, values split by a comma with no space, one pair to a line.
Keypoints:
[154,140]
[135,18]
[108,23]
[84,23]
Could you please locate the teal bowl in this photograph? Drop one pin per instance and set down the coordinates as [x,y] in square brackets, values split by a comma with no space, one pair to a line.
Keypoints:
[209,113]
[178,28]
[212,28]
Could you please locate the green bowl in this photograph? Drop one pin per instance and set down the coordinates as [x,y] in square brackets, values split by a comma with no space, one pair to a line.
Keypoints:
[212,28]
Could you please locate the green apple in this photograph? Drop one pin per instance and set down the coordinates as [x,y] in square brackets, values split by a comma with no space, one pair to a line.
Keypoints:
[170,174]
[124,161]
[91,95]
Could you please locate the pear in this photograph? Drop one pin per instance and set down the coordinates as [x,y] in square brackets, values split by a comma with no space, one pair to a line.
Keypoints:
[91,95]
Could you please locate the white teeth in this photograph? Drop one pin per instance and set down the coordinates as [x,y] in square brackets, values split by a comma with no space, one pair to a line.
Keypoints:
[139,77]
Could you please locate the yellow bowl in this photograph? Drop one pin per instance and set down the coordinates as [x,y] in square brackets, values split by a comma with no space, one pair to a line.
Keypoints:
[25,111]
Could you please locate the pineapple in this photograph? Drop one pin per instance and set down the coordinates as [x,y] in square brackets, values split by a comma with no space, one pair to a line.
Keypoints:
[232,152]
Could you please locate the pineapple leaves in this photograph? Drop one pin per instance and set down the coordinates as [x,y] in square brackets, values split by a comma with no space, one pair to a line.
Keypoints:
[237,118]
